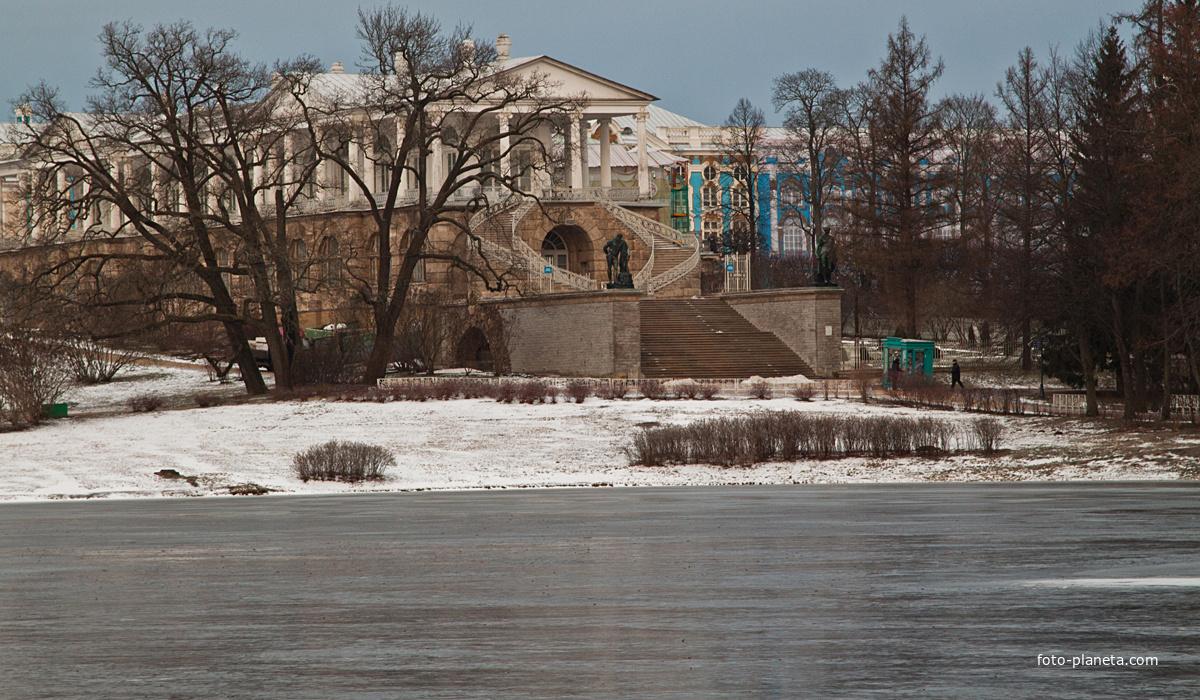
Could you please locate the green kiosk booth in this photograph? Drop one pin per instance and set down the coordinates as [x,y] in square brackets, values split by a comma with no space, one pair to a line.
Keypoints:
[906,358]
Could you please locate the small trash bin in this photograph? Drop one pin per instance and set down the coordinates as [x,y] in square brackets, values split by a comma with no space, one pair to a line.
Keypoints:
[54,410]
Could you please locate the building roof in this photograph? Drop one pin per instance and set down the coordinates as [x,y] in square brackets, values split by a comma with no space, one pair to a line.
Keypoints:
[621,157]
[573,80]
[655,117]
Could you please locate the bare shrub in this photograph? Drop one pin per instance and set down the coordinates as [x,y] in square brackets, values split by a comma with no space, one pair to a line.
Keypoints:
[615,390]
[93,363]
[443,389]
[531,392]
[578,391]
[1006,399]
[474,388]
[804,392]
[686,389]
[932,433]
[416,391]
[145,403]
[864,388]
[759,390]
[988,432]
[825,389]
[707,391]
[343,461]
[654,448]
[854,431]
[787,430]
[205,399]
[651,389]
[32,374]
[505,392]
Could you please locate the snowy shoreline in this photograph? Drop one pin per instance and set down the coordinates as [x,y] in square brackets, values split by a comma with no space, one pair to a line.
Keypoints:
[482,444]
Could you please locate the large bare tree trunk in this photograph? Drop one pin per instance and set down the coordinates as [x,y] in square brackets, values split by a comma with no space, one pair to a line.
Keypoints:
[1088,360]
[251,377]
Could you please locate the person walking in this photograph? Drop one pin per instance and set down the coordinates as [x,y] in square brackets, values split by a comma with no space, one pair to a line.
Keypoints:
[956,375]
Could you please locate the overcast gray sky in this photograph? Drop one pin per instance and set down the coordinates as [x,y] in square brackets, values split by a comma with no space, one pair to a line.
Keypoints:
[697,56]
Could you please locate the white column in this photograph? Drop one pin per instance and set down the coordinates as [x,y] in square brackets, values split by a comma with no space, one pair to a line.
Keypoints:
[605,159]
[114,212]
[436,172]
[402,186]
[643,165]
[542,177]
[289,168]
[370,158]
[583,152]
[576,179]
[354,155]
[505,144]
[257,173]
[64,216]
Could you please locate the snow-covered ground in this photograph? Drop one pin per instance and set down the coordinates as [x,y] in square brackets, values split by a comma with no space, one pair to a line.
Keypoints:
[479,443]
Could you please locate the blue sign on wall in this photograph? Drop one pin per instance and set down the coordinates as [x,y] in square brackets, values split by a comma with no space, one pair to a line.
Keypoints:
[548,270]
[729,268]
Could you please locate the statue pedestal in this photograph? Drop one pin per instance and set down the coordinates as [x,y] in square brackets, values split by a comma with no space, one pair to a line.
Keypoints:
[624,281]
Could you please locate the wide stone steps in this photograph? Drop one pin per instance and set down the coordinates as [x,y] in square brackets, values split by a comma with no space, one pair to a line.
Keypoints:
[667,256]
[706,339]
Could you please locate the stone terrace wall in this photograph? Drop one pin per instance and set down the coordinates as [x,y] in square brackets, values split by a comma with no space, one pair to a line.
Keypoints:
[808,320]
[579,334]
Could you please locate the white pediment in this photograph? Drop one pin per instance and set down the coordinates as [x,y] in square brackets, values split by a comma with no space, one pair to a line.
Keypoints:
[576,81]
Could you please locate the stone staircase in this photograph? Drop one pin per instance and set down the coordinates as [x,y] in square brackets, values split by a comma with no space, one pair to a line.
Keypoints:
[668,255]
[669,271]
[707,339]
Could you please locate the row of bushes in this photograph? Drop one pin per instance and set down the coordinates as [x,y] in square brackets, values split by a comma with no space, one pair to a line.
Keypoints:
[536,391]
[976,399]
[788,436]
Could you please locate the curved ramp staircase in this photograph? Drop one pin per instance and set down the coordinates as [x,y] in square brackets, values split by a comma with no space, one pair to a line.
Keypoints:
[671,257]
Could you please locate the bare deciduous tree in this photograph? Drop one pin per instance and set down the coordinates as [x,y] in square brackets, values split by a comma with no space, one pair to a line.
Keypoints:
[741,138]
[439,110]
[177,153]
[813,103]
[899,197]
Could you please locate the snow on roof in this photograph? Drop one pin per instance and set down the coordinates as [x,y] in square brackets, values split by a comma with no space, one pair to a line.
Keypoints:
[655,117]
[622,157]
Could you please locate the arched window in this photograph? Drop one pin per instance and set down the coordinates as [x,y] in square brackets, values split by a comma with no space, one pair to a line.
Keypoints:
[298,252]
[554,250]
[331,264]
[793,237]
